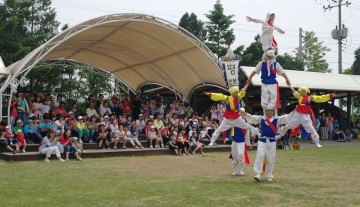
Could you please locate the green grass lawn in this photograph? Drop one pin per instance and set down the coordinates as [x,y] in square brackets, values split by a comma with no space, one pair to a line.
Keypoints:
[309,177]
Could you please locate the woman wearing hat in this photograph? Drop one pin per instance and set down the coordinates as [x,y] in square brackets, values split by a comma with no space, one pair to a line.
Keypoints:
[231,116]
[303,111]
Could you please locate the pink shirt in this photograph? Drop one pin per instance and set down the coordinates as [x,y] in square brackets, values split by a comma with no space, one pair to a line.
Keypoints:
[330,121]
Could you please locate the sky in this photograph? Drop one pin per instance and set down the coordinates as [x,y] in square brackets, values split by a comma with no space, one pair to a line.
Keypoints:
[290,16]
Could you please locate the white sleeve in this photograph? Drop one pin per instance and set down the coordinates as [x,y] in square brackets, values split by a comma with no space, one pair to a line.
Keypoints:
[284,118]
[279,69]
[137,122]
[258,68]
[247,136]
[278,29]
[47,142]
[255,119]
[257,21]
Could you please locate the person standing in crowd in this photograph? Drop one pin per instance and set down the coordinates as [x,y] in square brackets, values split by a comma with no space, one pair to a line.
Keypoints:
[136,106]
[161,109]
[57,102]
[329,125]
[113,103]
[91,111]
[13,109]
[99,104]
[105,109]
[323,129]
[60,109]
[173,107]
[75,110]
[119,110]
[45,109]
[89,100]
[37,107]
[146,109]
[23,107]
[189,110]
[126,104]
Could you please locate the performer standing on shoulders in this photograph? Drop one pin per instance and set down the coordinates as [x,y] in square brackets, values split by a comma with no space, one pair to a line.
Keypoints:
[267,39]
[303,111]
[270,97]
[231,116]
[266,149]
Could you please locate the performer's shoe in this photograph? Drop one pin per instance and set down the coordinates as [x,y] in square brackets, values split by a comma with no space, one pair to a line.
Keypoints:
[317,144]
[241,172]
[257,177]
[212,144]
[269,179]
[234,173]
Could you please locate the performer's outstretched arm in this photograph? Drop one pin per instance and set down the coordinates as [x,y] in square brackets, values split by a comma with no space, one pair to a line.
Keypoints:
[285,118]
[249,19]
[255,119]
[279,30]
[216,96]
[323,98]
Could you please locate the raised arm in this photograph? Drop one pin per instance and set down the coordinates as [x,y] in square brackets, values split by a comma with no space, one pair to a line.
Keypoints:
[285,118]
[216,96]
[242,93]
[255,119]
[322,98]
[249,19]
[279,30]
[280,71]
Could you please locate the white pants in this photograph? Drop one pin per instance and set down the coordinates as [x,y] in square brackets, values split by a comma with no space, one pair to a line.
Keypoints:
[131,140]
[237,152]
[227,124]
[268,95]
[264,152]
[329,132]
[49,150]
[301,119]
[324,133]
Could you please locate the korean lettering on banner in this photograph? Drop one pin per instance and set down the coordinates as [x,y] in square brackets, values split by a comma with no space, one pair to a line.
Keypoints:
[232,73]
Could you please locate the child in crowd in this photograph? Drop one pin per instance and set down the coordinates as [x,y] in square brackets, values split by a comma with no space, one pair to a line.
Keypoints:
[119,136]
[152,136]
[148,128]
[102,136]
[204,136]
[195,144]
[165,134]
[339,135]
[114,128]
[348,135]
[78,144]
[9,135]
[132,139]
[173,145]
[21,140]
[180,142]
[159,139]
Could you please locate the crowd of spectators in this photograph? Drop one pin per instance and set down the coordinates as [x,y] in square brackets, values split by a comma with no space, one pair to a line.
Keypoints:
[36,118]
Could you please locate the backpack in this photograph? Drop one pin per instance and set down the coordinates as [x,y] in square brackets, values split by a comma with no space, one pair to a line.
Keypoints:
[85,138]
[40,144]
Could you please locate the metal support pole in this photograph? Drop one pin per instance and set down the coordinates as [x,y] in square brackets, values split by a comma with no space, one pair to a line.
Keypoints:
[348,111]
[300,45]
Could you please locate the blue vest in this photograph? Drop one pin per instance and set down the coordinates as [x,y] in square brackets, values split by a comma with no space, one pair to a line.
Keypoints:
[239,136]
[266,130]
[265,79]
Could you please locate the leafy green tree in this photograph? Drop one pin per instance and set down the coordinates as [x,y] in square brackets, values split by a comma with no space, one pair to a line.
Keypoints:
[289,62]
[253,53]
[218,29]
[355,68]
[193,25]
[314,53]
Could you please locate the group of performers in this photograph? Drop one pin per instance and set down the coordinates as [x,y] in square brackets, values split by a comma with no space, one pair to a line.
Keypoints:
[237,120]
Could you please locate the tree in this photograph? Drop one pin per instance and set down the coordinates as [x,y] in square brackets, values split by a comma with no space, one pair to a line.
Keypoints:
[314,53]
[193,25]
[252,54]
[289,62]
[355,68]
[218,29]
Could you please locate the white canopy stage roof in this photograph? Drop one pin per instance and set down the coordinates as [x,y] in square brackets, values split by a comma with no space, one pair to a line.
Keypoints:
[136,49]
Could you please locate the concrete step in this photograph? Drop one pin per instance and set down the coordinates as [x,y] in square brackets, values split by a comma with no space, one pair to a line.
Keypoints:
[98,153]
[34,147]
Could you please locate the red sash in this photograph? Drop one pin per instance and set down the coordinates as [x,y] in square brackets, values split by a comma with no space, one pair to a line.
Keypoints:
[246,155]
[277,87]
[271,125]
[274,44]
